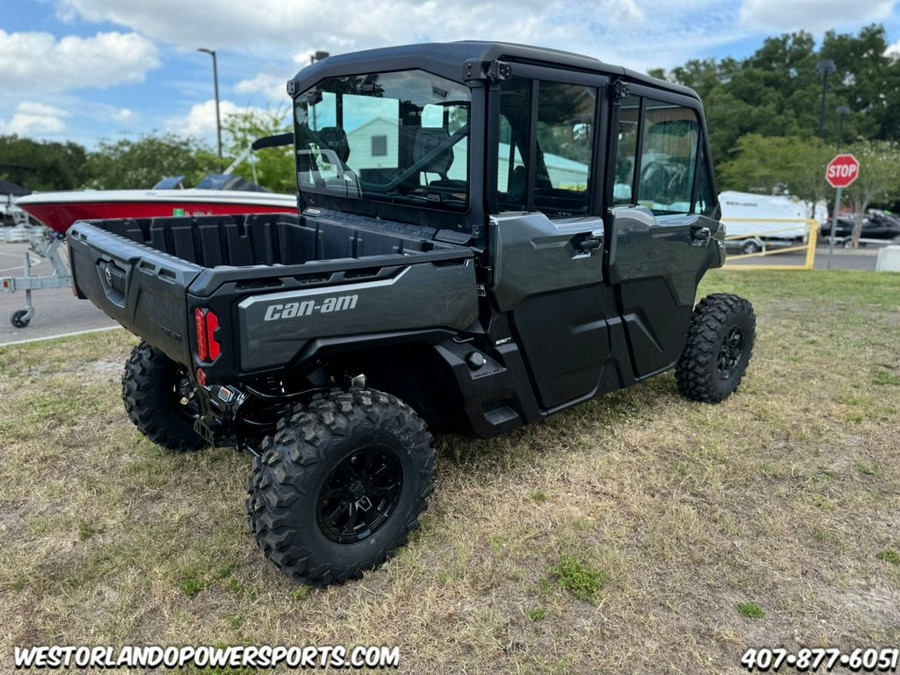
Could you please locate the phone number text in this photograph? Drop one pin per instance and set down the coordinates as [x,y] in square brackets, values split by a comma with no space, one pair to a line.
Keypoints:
[871,660]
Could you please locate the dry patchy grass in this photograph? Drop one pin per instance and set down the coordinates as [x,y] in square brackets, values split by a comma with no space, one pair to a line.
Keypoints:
[638,533]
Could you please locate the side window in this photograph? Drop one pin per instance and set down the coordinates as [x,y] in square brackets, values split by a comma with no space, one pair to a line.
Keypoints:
[565,131]
[669,146]
[512,148]
[626,149]
[559,142]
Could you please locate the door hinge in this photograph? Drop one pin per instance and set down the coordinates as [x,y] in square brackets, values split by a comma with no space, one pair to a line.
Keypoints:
[620,90]
[494,71]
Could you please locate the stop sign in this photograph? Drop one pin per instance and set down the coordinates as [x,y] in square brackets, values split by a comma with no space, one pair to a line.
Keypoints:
[841,171]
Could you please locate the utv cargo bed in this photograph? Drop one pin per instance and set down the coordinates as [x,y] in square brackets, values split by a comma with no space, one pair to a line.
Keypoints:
[279,279]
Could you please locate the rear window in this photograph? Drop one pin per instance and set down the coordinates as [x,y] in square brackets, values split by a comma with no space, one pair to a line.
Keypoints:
[400,137]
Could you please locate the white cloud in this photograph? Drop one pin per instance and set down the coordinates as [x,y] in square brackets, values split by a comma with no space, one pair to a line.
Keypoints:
[122,115]
[636,33]
[267,84]
[262,26]
[200,121]
[894,50]
[627,13]
[35,119]
[815,16]
[263,43]
[38,62]
[284,28]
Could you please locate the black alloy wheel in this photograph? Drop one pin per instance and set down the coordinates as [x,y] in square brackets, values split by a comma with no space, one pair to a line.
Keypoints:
[730,353]
[340,485]
[717,348]
[360,495]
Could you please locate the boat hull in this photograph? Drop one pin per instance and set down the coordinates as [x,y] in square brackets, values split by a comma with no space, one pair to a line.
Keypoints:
[58,210]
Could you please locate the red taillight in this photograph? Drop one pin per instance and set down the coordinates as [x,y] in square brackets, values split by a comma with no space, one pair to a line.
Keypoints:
[201,377]
[212,322]
[200,330]
[205,324]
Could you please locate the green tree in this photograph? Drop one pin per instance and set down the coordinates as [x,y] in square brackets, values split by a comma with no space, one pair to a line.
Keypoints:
[777,91]
[878,181]
[701,76]
[143,162]
[772,92]
[777,165]
[42,165]
[867,81]
[273,167]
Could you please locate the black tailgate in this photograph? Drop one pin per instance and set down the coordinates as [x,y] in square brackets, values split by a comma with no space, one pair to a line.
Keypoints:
[141,288]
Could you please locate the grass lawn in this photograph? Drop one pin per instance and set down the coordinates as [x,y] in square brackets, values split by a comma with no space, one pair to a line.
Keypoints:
[638,533]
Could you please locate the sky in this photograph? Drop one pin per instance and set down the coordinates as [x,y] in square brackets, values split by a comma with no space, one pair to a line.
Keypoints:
[90,71]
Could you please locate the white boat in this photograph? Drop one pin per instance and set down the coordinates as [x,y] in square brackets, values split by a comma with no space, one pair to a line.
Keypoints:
[225,193]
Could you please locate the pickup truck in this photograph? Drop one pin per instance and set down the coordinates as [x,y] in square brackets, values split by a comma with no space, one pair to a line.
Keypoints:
[486,234]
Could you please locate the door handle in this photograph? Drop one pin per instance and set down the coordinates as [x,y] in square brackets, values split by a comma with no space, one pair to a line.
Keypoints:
[589,242]
[701,236]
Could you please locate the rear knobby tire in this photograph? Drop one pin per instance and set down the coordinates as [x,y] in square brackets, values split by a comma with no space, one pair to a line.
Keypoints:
[159,399]
[717,349]
[340,485]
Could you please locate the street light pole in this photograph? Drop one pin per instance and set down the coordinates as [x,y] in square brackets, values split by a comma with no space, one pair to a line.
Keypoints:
[842,112]
[212,52]
[824,67]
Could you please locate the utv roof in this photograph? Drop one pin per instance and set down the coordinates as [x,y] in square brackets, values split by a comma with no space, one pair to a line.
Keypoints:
[449,59]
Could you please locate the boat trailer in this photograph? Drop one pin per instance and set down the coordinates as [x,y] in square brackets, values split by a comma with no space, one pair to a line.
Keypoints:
[47,244]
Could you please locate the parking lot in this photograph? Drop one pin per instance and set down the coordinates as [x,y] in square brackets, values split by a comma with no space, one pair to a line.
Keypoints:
[57,312]
[861,259]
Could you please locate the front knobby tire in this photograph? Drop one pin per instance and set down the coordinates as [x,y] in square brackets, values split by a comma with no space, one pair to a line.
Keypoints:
[718,348]
[159,399]
[340,485]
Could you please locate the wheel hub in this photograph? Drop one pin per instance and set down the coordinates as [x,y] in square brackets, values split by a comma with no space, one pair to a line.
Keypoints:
[357,490]
[360,495]
[730,353]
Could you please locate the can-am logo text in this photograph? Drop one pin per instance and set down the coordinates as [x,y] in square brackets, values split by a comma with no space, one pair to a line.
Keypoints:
[290,310]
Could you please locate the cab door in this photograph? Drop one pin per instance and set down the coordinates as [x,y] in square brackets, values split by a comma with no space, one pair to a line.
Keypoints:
[547,233]
[662,231]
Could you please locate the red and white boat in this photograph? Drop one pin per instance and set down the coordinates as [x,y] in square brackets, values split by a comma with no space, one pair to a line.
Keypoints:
[216,194]
[58,210]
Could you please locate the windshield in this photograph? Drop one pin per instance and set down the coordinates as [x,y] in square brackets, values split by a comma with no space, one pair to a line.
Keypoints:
[399,137]
[229,181]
